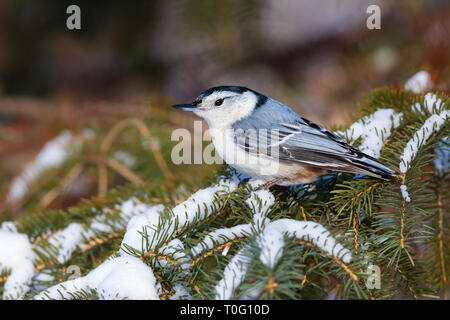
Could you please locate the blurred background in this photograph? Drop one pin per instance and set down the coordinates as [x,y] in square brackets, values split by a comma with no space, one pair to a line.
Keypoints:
[135,59]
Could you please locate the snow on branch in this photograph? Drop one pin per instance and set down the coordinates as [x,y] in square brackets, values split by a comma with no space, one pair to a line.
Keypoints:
[233,275]
[259,202]
[235,272]
[421,136]
[431,125]
[316,234]
[431,103]
[16,256]
[220,236]
[174,249]
[197,206]
[270,239]
[117,278]
[148,218]
[62,244]
[110,279]
[434,105]
[373,129]
[271,242]
[405,194]
[158,229]
[53,154]
[147,222]
[419,82]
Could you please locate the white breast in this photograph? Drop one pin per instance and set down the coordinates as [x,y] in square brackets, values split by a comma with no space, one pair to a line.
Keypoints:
[259,167]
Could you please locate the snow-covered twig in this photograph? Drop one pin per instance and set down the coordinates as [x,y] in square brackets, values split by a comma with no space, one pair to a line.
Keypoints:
[419,82]
[270,239]
[144,217]
[421,136]
[233,275]
[259,202]
[373,130]
[17,256]
[220,236]
[431,125]
[117,278]
[60,245]
[53,154]
[431,103]
[186,213]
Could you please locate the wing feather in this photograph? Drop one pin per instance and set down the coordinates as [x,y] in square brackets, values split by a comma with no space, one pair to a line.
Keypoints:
[291,138]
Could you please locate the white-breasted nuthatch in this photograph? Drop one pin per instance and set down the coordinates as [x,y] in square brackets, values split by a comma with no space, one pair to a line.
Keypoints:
[297,150]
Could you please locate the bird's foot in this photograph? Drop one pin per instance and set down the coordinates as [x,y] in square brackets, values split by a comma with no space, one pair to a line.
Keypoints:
[243,182]
[268,184]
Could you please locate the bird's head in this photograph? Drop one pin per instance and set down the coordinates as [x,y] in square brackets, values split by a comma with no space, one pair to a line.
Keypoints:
[224,105]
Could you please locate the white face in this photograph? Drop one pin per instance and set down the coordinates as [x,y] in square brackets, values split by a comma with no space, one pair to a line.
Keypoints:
[223,108]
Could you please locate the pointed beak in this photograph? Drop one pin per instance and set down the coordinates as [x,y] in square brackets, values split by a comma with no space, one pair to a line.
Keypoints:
[185,107]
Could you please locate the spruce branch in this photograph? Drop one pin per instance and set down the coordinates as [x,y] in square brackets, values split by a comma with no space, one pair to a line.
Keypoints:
[227,241]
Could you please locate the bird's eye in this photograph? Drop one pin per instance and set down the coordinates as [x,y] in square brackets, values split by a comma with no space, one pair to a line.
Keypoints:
[218,102]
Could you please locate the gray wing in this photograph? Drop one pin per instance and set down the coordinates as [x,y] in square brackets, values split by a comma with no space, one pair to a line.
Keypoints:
[277,131]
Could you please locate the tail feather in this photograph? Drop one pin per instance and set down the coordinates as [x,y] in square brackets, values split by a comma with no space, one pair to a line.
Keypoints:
[372,167]
[355,162]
